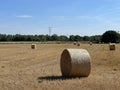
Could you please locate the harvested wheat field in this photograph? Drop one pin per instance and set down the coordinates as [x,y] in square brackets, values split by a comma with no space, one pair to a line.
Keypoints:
[23,68]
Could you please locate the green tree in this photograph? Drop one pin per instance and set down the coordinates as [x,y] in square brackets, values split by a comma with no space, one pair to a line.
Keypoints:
[95,39]
[3,37]
[110,36]
[63,38]
[86,38]
[54,37]
[78,38]
[71,38]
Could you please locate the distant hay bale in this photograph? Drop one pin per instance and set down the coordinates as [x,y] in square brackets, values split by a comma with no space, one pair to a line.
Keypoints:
[33,46]
[75,63]
[112,46]
[90,43]
[75,43]
[99,42]
[78,43]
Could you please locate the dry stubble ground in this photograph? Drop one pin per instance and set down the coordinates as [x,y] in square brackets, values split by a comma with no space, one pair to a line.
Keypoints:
[22,68]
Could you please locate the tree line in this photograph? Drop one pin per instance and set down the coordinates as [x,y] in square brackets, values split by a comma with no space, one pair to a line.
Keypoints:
[108,36]
[54,37]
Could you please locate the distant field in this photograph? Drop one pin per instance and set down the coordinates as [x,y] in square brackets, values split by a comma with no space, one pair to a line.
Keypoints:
[22,68]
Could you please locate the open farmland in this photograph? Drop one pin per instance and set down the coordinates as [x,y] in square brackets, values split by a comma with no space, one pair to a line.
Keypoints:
[22,68]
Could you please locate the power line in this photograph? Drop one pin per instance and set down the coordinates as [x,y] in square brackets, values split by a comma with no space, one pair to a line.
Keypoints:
[49,28]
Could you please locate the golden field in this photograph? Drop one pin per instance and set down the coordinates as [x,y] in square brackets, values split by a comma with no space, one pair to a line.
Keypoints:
[22,68]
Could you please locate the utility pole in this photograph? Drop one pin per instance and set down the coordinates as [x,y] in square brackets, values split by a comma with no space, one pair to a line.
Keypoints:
[49,28]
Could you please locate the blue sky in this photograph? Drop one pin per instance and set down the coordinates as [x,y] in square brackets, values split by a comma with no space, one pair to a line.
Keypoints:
[65,17]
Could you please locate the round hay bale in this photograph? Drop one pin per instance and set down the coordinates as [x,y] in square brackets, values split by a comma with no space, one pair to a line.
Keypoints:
[75,63]
[33,46]
[112,46]
[90,43]
[75,43]
[78,43]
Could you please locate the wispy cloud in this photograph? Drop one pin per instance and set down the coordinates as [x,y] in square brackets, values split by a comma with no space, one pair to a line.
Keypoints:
[24,16]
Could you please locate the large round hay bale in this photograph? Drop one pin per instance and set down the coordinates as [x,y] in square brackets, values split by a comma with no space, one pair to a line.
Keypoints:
[75,63]
[33,46]
[112,46]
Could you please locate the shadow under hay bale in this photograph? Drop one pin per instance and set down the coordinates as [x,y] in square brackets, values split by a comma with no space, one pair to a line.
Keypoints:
[53,78]
[75,63]
[112,46]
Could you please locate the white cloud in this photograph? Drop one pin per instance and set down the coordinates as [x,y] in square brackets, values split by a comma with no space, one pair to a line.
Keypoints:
[24,16]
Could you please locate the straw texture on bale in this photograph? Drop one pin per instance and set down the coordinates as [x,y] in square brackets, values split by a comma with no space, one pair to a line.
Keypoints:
[112,46]
[33,46]
[75,63]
